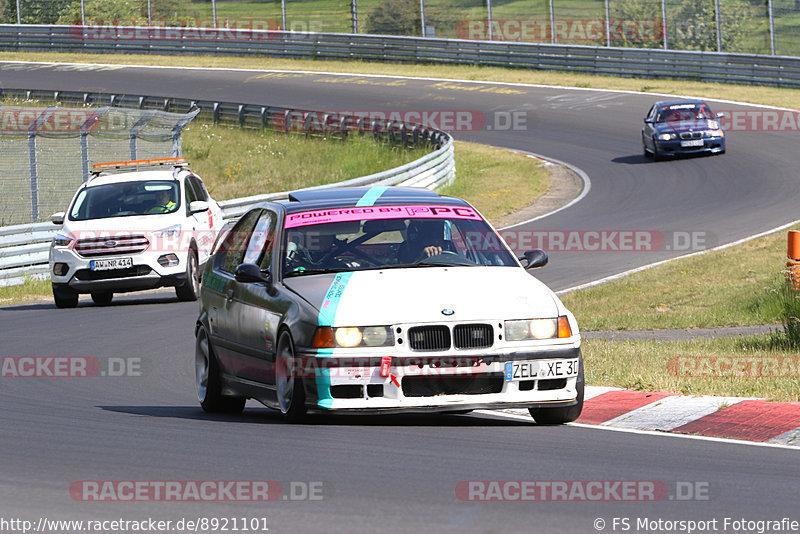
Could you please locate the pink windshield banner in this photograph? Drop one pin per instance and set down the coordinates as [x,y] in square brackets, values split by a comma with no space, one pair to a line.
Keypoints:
[305,218]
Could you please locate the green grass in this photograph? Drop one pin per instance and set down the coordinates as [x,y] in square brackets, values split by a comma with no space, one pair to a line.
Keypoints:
[237,163]
[731,287]
[31,290]
[668,366]
[495,181]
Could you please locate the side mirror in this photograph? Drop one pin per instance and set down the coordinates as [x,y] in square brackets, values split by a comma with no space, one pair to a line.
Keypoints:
[648,120]
[197,206]
[719,115]
[535,258]
[250,273]
[57,218]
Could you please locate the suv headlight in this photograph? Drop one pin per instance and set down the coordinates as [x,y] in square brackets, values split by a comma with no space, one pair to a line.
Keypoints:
[62,240]
[550,328]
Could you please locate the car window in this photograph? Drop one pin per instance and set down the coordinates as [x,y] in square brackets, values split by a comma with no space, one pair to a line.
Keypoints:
[231,251]
[339,244]
[259,246]
[191,194]
[125,199]
[199,187]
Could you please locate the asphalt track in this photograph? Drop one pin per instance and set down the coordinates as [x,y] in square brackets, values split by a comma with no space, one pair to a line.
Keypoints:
[398,473]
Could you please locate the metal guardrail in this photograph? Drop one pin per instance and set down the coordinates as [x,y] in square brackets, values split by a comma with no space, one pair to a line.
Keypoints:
[747,69]
[24,249]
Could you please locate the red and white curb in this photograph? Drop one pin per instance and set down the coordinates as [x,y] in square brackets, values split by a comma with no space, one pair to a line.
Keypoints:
[737,418]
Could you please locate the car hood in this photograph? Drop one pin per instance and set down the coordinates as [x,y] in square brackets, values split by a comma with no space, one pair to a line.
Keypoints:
[419,295]
[686,126]
[120,225]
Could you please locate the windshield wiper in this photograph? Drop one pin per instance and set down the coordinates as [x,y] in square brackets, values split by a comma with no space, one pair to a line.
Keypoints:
[304,271]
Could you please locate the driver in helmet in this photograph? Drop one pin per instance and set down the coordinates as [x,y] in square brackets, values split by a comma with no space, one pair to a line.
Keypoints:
[424,238]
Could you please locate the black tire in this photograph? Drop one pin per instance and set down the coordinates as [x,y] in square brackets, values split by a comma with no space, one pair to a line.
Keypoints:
[102,298]
[559,416]
[208,382]
[65,297]
[289,387]
[189,290]
[656,154]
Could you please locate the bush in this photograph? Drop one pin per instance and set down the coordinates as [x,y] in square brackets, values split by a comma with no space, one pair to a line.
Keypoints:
[394,17]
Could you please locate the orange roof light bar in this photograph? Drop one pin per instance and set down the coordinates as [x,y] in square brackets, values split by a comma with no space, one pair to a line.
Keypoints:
[135,164]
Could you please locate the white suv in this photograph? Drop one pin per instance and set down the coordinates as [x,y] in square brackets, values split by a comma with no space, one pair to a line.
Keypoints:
[134,225]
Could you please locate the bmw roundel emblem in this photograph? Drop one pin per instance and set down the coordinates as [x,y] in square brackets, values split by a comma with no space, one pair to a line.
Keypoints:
[448,311]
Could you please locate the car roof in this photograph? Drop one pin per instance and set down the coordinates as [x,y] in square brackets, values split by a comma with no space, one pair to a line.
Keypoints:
[680,101]
[136,176]
[343,197]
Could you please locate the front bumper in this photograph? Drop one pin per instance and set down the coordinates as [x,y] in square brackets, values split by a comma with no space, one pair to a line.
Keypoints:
[711,145]
[436,384]
[146,272]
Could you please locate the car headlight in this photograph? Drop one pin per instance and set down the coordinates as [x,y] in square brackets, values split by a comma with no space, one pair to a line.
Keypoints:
[550,328]
[61,240]
[170,232]
[667,136]
[353,336]
[714,133]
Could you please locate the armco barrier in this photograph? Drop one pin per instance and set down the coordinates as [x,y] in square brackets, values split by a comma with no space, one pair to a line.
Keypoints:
[629,62]
[24,249]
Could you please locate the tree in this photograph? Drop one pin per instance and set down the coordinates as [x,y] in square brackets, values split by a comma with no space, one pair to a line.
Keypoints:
[34,11]
[395,17]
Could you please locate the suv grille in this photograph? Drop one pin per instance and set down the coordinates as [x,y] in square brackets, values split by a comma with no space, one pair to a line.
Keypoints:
[473,336]
[435,337]
[111,246]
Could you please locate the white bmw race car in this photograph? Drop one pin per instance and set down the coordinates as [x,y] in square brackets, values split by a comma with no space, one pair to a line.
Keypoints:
[381,300]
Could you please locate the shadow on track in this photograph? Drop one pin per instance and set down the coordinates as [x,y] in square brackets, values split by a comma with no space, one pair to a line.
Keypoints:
[86,303]
[272,417]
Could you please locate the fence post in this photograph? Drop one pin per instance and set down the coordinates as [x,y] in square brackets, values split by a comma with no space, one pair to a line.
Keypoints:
[422,15]
[214,11]
[771,27]
[489,35]
[283,15]
[19,14]
[85,155]
[83,13]
[793,265]
[608,26]
[354,14]
[664,22]
[719,26]
[149,14]
[34,176]
[552,24]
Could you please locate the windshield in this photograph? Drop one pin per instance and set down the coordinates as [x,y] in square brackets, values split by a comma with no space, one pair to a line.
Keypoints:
[684,113]
[389,237]
[125,199]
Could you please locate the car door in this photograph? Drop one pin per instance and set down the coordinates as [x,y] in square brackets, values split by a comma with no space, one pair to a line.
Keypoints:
[253,308]
[200,221]
[218,291]
[648,129]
